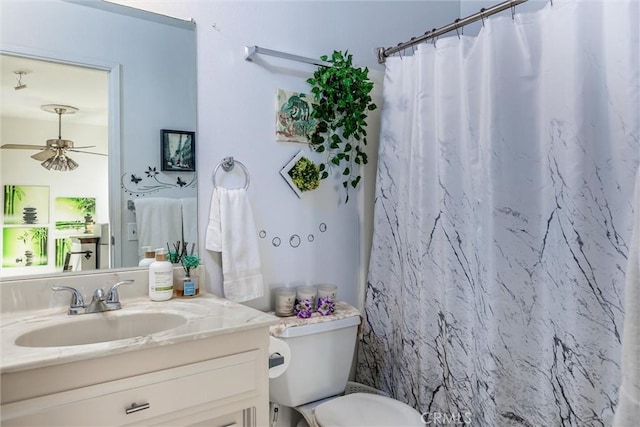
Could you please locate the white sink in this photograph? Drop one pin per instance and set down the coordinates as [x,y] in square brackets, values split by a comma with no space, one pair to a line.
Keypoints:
[96,328]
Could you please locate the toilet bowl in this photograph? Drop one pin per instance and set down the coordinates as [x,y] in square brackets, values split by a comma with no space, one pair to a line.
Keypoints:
[322,349]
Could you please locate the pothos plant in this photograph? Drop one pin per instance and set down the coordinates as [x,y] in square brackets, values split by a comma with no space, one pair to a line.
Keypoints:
[342,101]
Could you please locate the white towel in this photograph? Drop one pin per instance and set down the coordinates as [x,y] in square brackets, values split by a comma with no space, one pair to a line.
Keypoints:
[190,220]
[159,221]
[231,230]
[628,409]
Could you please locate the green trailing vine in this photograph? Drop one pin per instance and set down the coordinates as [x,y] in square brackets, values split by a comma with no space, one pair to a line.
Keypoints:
[342,101]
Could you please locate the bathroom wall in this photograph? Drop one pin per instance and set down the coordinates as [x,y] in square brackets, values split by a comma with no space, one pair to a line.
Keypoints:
[236,117]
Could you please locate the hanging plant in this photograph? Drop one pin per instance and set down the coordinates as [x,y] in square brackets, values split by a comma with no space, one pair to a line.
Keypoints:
[342,100]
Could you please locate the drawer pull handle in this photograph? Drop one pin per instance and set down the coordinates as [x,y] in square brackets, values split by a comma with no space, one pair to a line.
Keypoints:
[136,407]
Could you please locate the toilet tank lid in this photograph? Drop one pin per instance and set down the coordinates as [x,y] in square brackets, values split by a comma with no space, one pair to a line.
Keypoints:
[315,328]
[343,310]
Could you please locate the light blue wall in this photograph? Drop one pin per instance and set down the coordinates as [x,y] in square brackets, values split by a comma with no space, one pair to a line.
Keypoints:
[236,117]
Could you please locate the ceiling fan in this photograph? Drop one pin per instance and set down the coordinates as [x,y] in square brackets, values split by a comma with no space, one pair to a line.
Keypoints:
[54,154]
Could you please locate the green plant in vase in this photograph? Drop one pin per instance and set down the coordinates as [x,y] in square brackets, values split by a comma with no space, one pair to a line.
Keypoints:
[189,286]
[342,101]
[189,262]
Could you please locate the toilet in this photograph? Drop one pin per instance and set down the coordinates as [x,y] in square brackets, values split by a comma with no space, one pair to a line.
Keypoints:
[313,384]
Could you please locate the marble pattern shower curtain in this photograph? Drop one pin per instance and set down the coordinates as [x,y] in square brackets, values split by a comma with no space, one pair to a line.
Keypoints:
[503,220]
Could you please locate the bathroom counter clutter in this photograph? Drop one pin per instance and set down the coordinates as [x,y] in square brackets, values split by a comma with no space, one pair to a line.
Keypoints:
[51,337]
[343,310]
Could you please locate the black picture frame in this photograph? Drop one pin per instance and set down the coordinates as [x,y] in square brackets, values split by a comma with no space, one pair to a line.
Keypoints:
[178,150]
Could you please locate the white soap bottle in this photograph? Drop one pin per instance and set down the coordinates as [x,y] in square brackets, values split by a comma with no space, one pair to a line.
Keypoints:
[149,257]
[160,277]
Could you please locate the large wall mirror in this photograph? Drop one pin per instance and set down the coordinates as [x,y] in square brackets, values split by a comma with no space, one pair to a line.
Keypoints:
[87,89]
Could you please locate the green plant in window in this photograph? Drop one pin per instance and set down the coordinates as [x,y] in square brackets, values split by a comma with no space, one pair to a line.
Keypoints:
[305,174]
[342,101]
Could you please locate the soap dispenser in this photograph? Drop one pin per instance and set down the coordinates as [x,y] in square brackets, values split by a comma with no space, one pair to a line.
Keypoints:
[149,257]
[160,277]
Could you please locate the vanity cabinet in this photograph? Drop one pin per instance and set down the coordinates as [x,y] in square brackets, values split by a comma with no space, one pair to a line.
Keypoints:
[217,381]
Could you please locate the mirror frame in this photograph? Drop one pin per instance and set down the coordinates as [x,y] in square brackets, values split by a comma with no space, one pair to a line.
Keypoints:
[114,140]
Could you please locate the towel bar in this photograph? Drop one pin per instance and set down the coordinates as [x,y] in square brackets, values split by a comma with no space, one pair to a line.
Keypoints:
[227,165]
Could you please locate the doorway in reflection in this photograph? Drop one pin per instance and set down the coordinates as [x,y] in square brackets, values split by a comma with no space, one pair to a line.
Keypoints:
[54,167]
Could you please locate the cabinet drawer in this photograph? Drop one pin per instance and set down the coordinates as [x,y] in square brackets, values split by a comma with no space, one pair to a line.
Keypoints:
[164,392]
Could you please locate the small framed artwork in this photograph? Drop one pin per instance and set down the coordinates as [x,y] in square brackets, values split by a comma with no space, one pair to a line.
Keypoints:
[26,204]
[301,174]
[294,118]
[178,150]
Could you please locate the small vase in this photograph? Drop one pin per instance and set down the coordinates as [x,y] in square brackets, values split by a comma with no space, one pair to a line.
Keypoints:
[186,287]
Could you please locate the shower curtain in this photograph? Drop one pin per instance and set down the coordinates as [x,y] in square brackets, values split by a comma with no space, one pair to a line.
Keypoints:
[503,220]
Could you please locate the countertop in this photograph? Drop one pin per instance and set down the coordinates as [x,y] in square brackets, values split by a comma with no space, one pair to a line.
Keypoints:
[207,316]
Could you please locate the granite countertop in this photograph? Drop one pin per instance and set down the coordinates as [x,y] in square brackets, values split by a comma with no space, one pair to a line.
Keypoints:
[207,316]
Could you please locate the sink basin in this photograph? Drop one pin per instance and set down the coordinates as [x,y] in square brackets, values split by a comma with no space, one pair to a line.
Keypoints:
[95,328]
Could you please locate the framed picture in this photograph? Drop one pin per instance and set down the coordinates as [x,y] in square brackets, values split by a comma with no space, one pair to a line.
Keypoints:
[178,150]
[301,174]
[26,204]
[294,119]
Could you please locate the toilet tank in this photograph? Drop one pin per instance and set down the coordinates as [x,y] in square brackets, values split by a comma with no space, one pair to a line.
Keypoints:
[321,356]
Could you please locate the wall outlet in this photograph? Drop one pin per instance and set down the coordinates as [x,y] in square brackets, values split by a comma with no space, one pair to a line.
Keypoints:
[132,231]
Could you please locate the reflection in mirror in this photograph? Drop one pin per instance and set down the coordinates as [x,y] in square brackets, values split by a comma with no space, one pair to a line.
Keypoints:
[53,153]
[145,68]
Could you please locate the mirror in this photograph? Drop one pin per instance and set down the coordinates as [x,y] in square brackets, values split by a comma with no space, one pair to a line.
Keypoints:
[128,84]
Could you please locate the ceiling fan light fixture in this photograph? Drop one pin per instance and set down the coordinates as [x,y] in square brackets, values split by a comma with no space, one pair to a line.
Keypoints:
[20,85]
[48,164]
[70,163]
[59,162]
[54,153]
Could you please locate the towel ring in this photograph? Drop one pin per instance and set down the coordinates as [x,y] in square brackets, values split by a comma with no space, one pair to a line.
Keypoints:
[227,165]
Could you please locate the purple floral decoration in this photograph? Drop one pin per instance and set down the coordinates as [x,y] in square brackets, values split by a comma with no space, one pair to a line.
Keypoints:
[303,309]
[326,306]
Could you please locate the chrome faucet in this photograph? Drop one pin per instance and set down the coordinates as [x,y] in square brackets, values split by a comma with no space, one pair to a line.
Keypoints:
[99,302]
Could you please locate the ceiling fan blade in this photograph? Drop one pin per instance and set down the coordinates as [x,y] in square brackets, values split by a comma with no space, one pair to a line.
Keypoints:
[86,152]
[44,155]
[88,146]
[24,146]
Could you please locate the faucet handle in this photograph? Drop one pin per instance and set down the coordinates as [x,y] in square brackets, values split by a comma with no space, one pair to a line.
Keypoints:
[76,297]
[98,295]
[112,295]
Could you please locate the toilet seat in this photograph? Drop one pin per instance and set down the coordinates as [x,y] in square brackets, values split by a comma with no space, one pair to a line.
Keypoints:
[365,409]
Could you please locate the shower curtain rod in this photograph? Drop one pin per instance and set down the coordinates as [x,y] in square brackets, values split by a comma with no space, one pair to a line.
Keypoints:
[251,51]
[383,53]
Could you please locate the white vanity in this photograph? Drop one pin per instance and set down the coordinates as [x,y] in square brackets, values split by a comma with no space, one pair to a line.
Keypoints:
[201,361]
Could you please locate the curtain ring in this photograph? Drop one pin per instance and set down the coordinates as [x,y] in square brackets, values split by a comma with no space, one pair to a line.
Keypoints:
[457,32]
[513,12]
[551,1]
[482,15]
[399,52]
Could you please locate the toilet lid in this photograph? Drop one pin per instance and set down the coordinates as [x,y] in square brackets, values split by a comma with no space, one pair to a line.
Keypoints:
[364,409]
